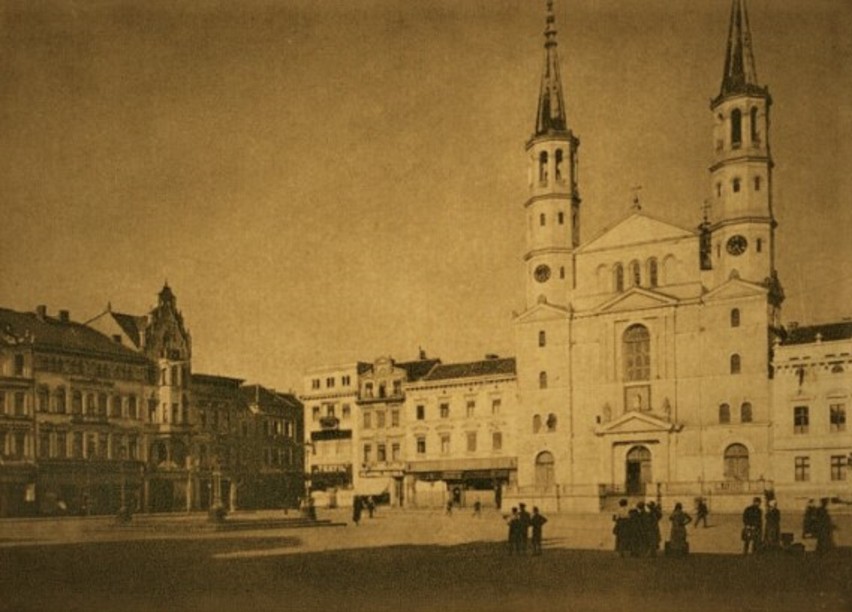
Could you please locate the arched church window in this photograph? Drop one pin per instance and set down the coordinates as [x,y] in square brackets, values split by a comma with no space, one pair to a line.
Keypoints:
[542,380]
[736,462]
[542,167]
[718,190]
[560,175]
[736,128]
[724,414]
[745,412]
[551,422]
[618,274]
[544,464]
[735,317]
[635,274]
[542,338]
[759,245]
[536,423]
[652,272]
[736,364]
[755,137]
[636,345]
[561,271]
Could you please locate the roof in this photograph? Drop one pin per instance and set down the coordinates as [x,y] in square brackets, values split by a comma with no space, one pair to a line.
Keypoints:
[486,367]
[48,333]
[740,75]
[828,331]
[212,379]
[418,369]
[133,326]
[550,118]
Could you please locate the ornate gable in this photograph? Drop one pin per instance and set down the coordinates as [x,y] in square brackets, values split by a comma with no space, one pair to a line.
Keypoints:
[542,311]
[638,228]
[636,298]
[637,422]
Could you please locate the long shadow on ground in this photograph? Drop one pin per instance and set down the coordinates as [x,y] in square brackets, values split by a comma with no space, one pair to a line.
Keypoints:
[183,574]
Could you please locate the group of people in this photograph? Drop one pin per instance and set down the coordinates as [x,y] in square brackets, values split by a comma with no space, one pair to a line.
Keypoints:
[359,504]
[762,530]
[520,524]
[637,530]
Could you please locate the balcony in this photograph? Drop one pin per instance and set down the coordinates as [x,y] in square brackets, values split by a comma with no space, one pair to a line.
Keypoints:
[329,422]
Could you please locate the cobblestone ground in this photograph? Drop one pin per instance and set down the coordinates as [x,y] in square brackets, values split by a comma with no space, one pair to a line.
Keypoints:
[414,560]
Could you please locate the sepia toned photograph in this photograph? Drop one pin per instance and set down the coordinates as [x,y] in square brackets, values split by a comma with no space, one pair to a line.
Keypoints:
[519,305]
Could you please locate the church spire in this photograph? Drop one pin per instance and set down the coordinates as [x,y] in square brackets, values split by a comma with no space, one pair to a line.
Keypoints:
[551,108]
[740,76]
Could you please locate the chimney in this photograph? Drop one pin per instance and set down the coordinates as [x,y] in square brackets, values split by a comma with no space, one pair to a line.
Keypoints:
[64,316]
[422,354]
[41,312]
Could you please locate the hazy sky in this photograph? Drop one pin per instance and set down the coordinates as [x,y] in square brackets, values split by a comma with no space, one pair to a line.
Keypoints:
[324,181]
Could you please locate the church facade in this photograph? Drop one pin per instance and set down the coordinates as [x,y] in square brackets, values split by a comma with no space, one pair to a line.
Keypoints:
[650,345]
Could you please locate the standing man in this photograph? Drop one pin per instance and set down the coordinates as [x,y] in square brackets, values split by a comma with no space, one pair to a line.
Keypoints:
[524,517]
[514,523]
[537,521]
[701,512]
[752,526]
[823,527]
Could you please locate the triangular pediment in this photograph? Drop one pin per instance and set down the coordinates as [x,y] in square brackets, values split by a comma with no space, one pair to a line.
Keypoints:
[636,298]
[542,312]
[638,228]
[637,422]
[734,288]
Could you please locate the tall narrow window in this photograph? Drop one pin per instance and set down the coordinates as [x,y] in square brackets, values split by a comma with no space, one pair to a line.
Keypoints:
[562,272]
[745,413]
[757,183]
[759,245]
[735,185]
[542,380]
[755,134]
[542,338]
[542,167]
[736,128]
[801,419]
[735,317]
[542,220]
[618,277]
[560,217]
[803,469]
[736,365]
[636,345]
[736,462]
[635,274]
[652,272]
[838,467]
[536,423]
[496,441]
[837,417]
[559,173]
[724,414]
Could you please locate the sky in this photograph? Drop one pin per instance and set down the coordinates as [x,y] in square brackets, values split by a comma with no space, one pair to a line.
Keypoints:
[324,182]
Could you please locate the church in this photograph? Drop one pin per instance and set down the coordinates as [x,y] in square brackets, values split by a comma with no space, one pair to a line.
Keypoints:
[648,349]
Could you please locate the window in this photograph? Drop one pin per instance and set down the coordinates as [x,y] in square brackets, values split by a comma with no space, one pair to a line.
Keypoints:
[496,403]
[346,411]
[44,445]
[497,441]
[43,399]
[735,317]
[718,190]
[380,419]
[838,467]
[653,272]
[315,383]
[542,167]
[735,185]
[636,344]
[315,413]
[618,277]
[368,390]
[736,128]
[561,217]
[368,420]
[757,183]
[736,462]
[394,418]
[542,380]
[20,404]
[382,391]
[131,407]
[735,364]
[368,453]
[800,419]
[421,412]
[397,387]
[635,274]
[421,445]
[61,444]
[542,220]
[544,472]
[551,422]
[19,365]
[395,451]
[837,417]
[346,380]
[77,445]
[802,469]
[755,137]
[445,444]
[759,245]
[542,338]
[724,414]
[536,423]
[561,271]
[329,411]
[115,409]
[745,413]
[381,453]
[559,159]
[59,400]
[471,441]
[470,408]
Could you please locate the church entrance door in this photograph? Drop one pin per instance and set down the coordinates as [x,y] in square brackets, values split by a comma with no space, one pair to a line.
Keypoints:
[638,467]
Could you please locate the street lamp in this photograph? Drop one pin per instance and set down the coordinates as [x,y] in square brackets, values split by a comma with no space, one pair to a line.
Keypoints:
[308,502]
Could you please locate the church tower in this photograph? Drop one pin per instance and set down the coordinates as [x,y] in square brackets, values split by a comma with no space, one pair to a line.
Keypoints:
[742,225]
[553,207]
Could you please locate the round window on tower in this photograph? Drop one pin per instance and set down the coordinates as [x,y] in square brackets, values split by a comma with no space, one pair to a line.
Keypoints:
[542,273]
[737,245]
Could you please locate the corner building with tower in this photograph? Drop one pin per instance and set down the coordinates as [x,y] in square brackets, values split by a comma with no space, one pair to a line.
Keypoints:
[644,354]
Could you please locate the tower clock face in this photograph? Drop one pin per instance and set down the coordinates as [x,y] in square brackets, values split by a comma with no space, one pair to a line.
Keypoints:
[737,245]
[542,273]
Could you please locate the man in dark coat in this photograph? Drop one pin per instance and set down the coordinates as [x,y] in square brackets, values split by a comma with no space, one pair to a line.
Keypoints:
[654,535]
[752,526]
[524,517]
[537,521]
[822,527]
[357,507]
[514,523]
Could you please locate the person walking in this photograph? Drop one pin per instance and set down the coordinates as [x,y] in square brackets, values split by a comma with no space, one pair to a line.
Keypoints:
[772,529]
[752,526]
[477,508]
[701,512]
[357,508]
[808,528]
[524,517]
[678,545]
[537,521]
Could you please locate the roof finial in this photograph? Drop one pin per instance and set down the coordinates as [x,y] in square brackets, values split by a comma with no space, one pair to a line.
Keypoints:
[551,109]
[740,75]
[637,206]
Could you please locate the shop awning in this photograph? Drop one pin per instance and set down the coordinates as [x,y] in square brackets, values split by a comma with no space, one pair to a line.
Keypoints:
[372,486]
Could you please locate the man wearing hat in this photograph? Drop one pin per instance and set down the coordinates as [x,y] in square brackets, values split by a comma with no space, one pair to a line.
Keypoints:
[752,526]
